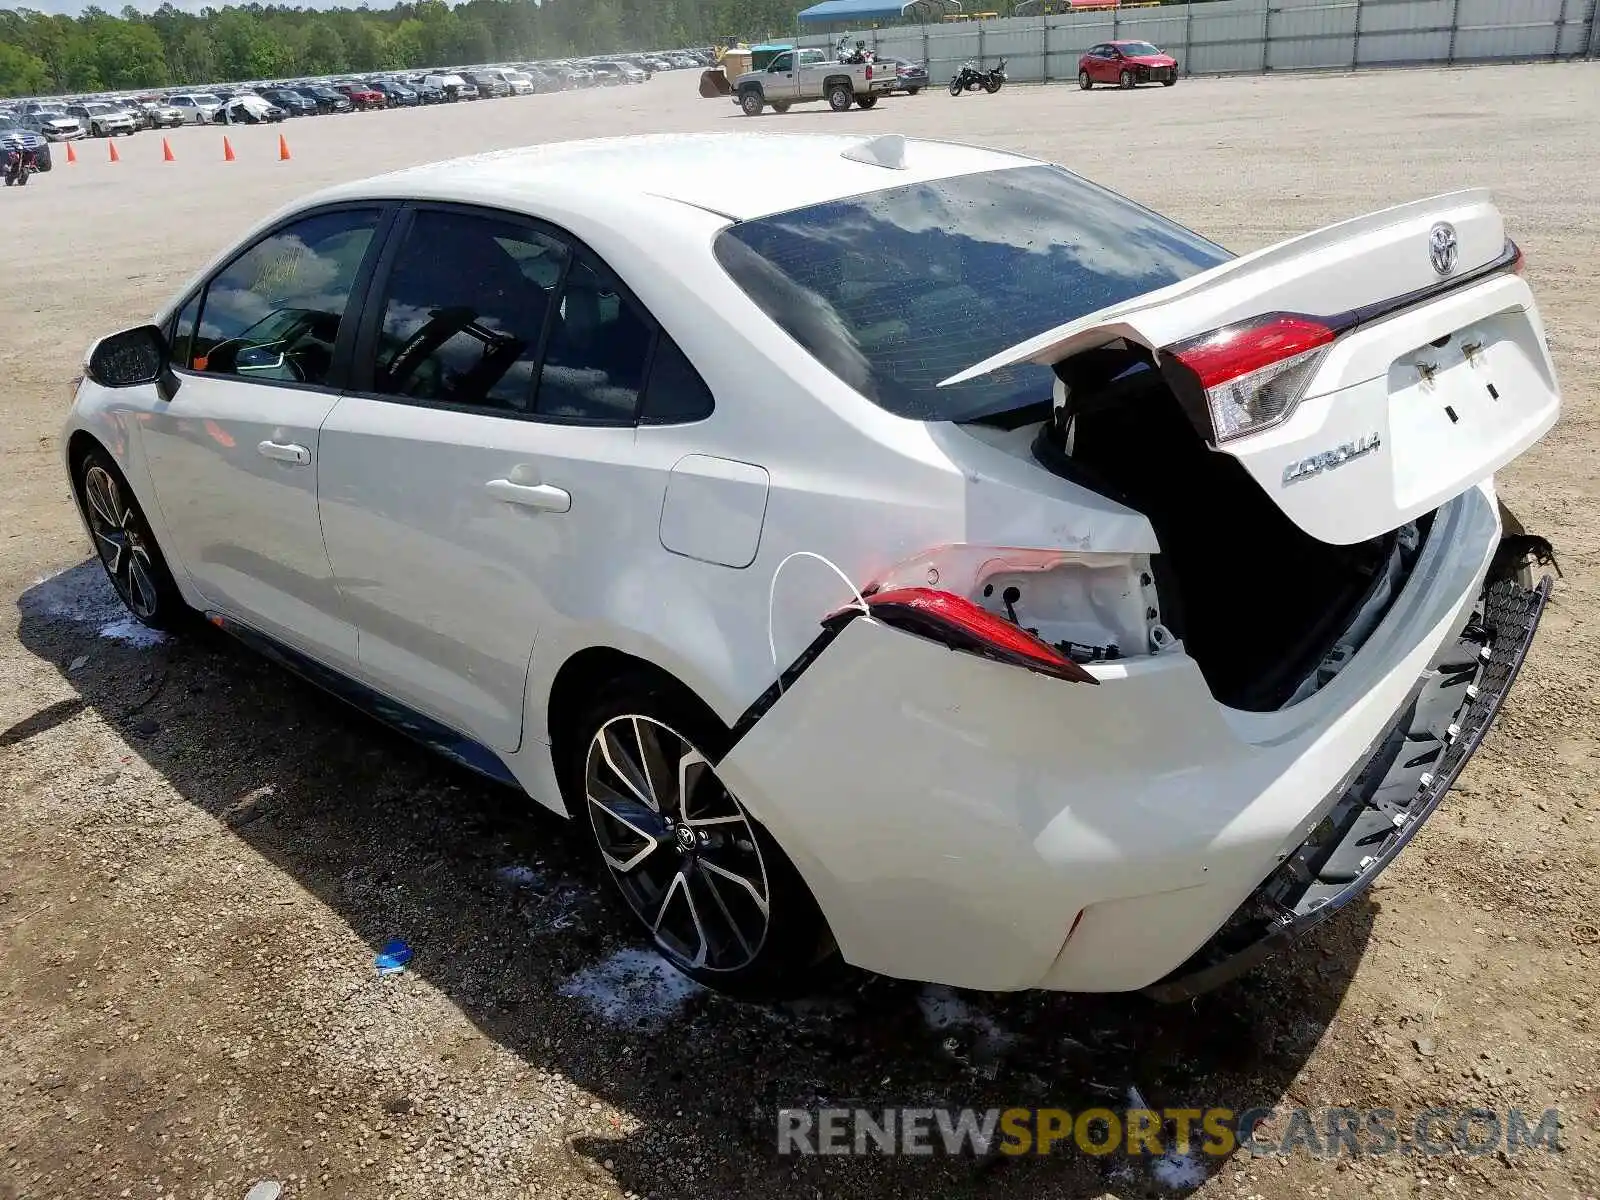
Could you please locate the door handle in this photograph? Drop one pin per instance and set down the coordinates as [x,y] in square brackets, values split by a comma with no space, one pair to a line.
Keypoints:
[530,495]
[288,452]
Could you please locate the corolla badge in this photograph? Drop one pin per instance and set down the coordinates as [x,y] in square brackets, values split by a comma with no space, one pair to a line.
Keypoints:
[1316,464]
[1442,247]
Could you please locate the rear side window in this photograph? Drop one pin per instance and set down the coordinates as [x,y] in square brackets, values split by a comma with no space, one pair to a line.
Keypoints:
[464,311]
[594,363]
[674,392]
[896,290]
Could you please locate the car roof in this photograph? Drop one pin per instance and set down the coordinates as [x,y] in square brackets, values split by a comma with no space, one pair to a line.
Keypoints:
[739,175]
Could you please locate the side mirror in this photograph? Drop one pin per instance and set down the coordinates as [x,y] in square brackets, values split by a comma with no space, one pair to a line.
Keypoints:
[133,358]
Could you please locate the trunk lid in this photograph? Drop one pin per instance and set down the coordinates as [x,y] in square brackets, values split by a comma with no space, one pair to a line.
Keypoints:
[1438,377]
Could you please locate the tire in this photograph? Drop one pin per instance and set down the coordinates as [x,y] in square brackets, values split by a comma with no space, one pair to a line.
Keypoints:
[955,87]
[992,85]
[840,97]
[1125,79]
[866,101]
[780,106]
[1084,81]
[713,891]
[1169,81]
[912,91]
[751,102]
[125,545]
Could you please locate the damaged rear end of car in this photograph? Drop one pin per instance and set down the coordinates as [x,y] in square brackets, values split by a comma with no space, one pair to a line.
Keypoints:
[1147,752]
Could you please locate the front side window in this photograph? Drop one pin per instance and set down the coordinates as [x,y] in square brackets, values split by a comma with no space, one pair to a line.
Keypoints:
[274,312]
[784,62]
[464,311]
[897,290]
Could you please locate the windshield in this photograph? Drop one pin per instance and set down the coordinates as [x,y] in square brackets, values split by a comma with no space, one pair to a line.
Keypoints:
[1137,49]
[206,98]
[896,290]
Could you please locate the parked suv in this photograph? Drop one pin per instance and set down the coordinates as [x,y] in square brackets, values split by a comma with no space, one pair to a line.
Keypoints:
[52,124]
[14,133]
[490,83]
[102,120]
[197,107]
[362,96]
[327,99]
[291,101]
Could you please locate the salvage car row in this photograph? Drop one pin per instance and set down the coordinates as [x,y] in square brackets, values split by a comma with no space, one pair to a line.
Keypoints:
[66,119]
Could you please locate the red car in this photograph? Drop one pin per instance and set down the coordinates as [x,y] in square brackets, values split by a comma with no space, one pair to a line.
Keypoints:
[362,96]
[1126,64]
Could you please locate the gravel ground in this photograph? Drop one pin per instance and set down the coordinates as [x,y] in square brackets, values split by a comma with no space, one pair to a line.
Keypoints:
[199,856]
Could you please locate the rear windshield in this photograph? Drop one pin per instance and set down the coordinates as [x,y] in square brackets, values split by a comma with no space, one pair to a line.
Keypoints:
[895,290]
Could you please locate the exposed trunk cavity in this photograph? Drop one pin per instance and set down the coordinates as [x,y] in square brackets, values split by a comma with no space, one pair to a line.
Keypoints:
[1268,612]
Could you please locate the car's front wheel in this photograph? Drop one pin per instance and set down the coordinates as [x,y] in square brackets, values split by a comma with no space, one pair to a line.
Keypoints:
[750,102]
[125,544]
[1084,81]
[705,880]
[1126,79]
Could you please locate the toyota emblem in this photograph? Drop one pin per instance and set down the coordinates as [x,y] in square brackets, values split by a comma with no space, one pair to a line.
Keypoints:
[1442,247]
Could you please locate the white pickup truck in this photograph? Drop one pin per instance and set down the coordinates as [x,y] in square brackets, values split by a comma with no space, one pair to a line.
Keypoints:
[782,83]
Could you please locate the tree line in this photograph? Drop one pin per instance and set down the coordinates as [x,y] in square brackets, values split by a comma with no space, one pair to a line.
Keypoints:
[96,51]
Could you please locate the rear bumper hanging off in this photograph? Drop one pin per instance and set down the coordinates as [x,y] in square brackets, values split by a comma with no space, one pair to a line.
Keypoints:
[1415,763]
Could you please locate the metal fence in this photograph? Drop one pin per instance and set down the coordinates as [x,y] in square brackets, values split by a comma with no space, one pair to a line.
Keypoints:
[1227,36]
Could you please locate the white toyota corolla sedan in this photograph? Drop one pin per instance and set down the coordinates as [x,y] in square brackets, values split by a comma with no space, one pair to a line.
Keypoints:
[886,550]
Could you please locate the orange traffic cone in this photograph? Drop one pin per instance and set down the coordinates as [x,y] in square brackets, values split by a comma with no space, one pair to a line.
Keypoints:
[72,155]
[166,152]
[227,149]
[283,148]
[115,157]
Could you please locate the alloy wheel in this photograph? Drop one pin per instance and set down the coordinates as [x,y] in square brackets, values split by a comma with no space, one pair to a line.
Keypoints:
[681,848]
[121,542]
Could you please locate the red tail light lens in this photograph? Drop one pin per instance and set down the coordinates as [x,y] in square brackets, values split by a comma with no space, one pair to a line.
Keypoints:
[1255,372]
[1519,264]
[963,625]
[1248,346]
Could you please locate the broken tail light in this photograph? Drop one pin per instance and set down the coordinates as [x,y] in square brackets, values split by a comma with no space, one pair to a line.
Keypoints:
[1048,610]
[1254,372]
[962,625]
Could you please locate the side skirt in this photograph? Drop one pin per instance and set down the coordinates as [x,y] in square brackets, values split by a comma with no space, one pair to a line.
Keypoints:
[438,737]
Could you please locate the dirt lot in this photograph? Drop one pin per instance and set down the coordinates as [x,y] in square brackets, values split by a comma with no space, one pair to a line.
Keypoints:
[199,855]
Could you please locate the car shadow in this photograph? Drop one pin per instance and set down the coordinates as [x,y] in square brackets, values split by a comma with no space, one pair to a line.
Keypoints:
[508,920]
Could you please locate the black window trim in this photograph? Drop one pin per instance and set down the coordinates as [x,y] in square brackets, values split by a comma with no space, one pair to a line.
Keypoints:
[344,346]
[364,348]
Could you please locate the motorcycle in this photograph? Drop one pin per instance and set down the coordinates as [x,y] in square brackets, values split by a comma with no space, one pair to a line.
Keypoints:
[971,79]
[853,55]
[16,164]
